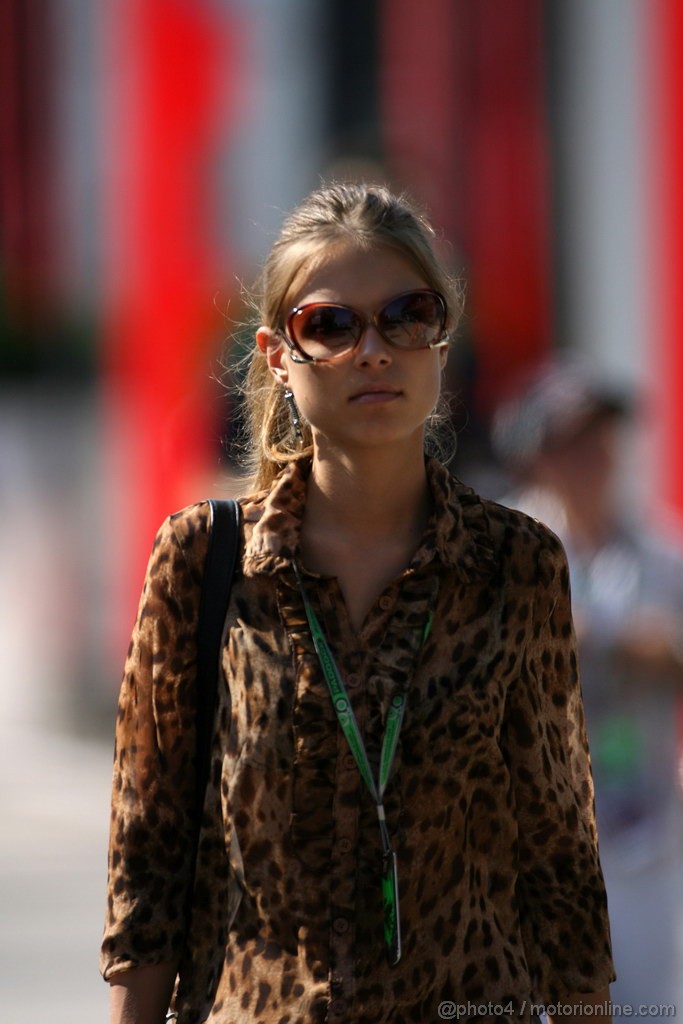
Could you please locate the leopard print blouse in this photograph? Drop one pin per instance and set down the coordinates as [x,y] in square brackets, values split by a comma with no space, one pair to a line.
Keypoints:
[490,803]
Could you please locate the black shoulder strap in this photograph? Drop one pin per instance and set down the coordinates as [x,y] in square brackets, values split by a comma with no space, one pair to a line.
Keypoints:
[219,569]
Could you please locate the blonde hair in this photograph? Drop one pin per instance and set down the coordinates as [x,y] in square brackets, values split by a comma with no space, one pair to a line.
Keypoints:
[365,215]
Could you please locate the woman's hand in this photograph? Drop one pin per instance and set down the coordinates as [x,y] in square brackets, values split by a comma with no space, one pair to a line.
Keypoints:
[141,995]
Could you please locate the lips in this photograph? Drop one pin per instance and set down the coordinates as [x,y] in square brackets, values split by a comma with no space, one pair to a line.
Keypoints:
[375,393]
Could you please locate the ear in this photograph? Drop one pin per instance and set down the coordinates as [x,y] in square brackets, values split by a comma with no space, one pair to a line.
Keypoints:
[274,350]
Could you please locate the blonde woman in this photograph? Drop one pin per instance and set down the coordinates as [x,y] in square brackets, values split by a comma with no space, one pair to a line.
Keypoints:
[398,825]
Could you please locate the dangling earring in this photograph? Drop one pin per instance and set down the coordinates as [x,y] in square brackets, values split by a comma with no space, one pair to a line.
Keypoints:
[294,412]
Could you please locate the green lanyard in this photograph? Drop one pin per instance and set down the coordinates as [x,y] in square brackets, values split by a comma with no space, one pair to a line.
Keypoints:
[349,726]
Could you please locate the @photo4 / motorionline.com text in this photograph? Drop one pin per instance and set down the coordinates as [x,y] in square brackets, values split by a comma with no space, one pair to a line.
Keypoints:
[468,1011]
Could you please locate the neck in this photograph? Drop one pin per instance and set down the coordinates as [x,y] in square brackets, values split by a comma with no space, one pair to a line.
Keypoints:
[587,508]
[368,494]
[366,511]
[589,524]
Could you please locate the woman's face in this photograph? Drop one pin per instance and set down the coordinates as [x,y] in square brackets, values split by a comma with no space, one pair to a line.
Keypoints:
[378,394]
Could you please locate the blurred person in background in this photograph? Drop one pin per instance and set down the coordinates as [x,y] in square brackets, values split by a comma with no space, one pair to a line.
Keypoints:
[314,896]
[559,436]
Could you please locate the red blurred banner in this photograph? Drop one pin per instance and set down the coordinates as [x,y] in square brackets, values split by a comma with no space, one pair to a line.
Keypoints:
[664,25]
[173,65]
[463,94]
[26,173]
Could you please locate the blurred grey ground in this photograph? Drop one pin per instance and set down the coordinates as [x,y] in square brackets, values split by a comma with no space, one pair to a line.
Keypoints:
[59,679]
[54,796]
[57,700]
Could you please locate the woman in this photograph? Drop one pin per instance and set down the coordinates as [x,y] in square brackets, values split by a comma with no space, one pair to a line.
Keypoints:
[439,861]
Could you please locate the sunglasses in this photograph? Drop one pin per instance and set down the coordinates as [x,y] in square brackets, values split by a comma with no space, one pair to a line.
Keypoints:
[321,332]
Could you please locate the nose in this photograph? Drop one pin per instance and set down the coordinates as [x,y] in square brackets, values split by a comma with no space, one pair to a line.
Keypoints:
[372,348]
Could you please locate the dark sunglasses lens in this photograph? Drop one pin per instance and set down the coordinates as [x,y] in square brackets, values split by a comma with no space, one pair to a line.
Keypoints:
[323,330]
[415,320]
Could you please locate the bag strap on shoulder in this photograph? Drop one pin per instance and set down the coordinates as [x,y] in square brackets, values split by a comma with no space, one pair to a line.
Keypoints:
[219,570]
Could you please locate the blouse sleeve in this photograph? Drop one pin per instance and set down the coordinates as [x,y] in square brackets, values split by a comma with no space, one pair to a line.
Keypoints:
[152,817]
[561,893]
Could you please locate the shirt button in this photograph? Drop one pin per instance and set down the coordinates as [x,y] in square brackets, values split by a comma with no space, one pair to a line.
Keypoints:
[385,602]
[344,845]
[353,679]
[338,1007]
[340,925]
[349,761]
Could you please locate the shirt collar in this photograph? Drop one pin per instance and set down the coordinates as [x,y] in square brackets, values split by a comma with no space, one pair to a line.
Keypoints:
[457,532]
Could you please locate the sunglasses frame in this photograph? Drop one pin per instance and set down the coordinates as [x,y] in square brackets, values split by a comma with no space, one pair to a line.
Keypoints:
[299,356]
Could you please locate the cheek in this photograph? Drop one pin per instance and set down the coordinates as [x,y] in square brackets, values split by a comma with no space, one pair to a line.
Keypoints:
[313,392]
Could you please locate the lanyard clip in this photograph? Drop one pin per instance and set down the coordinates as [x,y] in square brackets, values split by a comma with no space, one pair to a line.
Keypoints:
[392,923]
